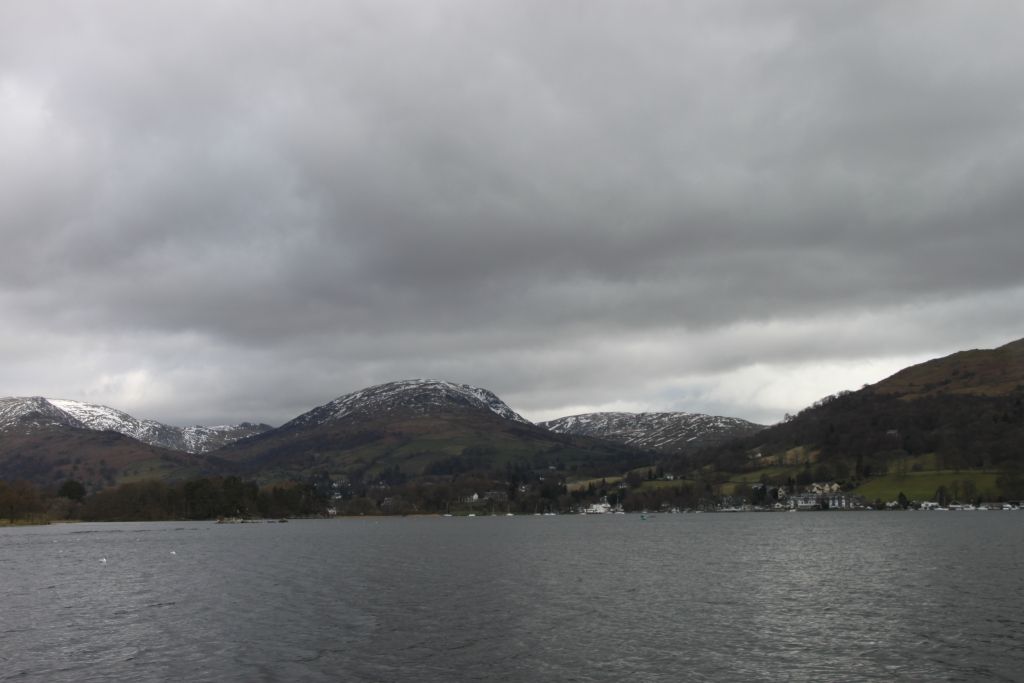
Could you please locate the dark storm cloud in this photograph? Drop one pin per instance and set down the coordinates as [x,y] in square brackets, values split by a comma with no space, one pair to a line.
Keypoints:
[247,208]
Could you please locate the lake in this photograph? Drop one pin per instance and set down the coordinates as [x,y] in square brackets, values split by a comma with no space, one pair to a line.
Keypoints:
[914,596]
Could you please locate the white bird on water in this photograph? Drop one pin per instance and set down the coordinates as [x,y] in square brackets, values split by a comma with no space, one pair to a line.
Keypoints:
[103,560]
[173,553]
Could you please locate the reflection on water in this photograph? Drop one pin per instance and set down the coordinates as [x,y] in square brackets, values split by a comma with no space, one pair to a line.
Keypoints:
[833,596]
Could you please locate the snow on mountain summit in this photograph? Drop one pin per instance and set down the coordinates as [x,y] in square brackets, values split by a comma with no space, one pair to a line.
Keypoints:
[32,413]
[102,418]
[36,412]
[419,396]
[657,431]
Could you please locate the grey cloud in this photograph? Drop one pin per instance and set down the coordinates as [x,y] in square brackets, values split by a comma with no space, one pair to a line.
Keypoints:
[502,192]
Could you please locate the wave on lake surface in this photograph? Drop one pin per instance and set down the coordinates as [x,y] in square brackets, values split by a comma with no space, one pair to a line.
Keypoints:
[839,597]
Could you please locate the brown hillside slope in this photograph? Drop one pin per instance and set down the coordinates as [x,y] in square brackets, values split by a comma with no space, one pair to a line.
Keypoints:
[980,372]
[48,456]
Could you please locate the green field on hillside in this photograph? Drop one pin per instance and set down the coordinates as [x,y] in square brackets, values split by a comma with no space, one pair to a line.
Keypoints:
[923,485]
[927,462]
[583,484]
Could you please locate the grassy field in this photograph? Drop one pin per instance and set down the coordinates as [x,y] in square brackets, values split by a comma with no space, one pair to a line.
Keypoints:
[583,484]
[928,461]
[794,456]
[922,485]
[24,522]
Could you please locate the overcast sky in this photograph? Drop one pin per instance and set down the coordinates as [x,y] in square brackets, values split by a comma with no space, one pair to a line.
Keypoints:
[218,211]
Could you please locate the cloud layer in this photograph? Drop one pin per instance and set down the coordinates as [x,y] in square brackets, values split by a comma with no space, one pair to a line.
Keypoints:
[215,211]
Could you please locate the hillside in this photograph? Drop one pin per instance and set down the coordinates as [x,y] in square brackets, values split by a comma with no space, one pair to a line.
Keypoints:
[417,427]
[993,372]
[664,432]
[47,441]
[961,412]
[26,412]
[953,414]
[47,455]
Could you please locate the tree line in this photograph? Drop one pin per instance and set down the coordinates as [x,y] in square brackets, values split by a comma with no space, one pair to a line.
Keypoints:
[862,433]
[200,498]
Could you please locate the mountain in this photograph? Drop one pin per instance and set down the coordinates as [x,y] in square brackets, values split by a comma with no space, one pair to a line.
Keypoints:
[666,432]
[32,414]
[49,440]
[46,445]
[49,456]
[418,427]
[27,413]
[979,372]
[422,397]
[925,426]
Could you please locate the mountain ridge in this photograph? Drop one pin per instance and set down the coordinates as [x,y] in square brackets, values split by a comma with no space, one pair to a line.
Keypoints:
[964,410]
[417,426]
[416,395]
[961,411]
[660,431]
[978,372]
[37,411]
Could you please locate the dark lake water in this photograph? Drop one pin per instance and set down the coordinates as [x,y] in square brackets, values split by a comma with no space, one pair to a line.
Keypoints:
[713,597]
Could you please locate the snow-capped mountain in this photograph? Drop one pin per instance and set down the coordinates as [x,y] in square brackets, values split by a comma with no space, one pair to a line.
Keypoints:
[201,439]
[419,427]
[35,413]
[656,431]
[414,396]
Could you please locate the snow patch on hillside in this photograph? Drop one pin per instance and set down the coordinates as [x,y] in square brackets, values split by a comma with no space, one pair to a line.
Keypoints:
[34,413]
[417,396]
[658,431]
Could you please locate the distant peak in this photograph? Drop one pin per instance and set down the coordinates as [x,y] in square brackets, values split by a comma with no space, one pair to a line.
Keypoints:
[32,412]
[415,395]
[35,412]
[665,431]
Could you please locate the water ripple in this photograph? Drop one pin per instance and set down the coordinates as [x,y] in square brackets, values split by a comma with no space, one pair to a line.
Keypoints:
[840,597]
